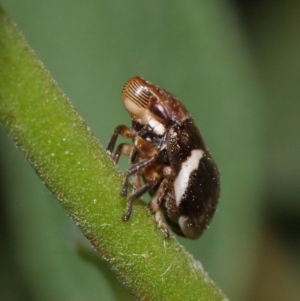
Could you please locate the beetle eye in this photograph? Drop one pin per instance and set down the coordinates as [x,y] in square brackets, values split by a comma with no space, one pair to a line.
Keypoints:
[160,112]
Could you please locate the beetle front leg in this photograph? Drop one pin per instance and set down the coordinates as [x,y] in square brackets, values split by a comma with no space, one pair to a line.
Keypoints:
[123,149]
[120,130]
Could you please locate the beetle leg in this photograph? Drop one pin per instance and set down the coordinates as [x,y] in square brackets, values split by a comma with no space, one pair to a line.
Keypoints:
[136,181]
[120,130]
[137,194]
[134,169]
[161,225]
[154,205]
[133,155]
[144,147]
[123,149]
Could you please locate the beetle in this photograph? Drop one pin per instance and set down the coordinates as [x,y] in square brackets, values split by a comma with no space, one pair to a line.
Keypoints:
[168,159]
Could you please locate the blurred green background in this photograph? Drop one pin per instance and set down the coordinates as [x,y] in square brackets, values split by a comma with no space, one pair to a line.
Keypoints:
[236,66]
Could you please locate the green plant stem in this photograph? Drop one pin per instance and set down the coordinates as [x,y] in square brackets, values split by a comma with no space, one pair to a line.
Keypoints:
[70,161]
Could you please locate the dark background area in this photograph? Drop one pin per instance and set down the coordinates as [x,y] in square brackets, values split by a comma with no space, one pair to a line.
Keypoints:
[236,66]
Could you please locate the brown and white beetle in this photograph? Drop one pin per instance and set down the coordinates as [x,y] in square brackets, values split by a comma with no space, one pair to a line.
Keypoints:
[169,160]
